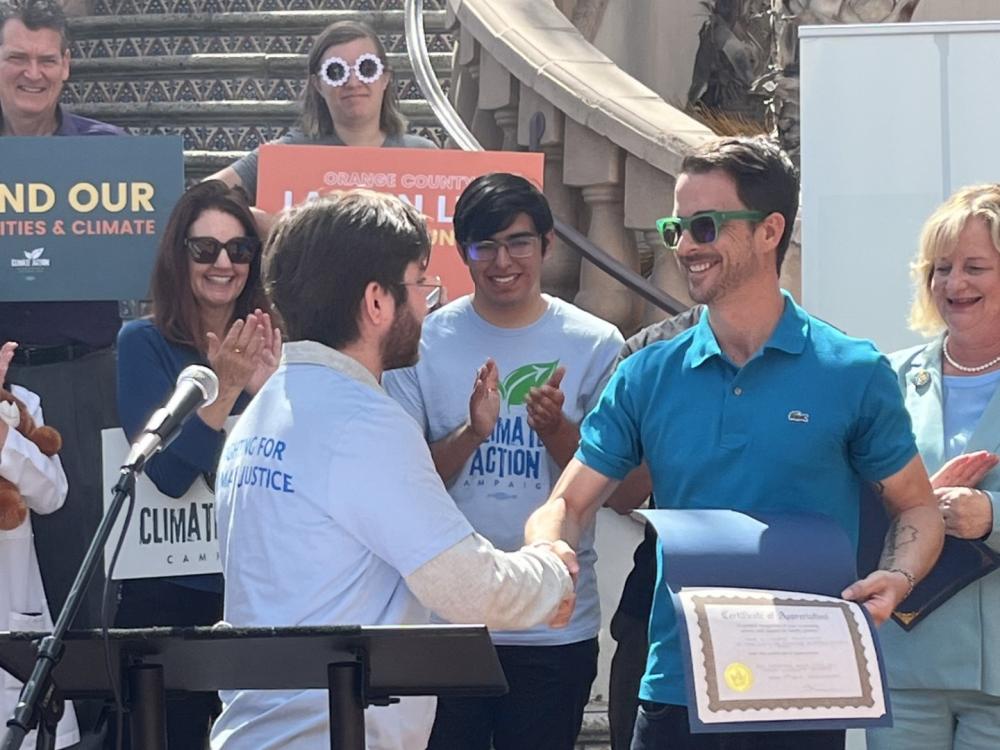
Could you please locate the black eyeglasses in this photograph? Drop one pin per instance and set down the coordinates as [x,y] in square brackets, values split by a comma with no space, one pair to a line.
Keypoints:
[518,246]
[207,249]
[704,226]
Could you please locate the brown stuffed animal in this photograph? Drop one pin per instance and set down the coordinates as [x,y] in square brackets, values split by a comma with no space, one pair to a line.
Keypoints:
[13,509]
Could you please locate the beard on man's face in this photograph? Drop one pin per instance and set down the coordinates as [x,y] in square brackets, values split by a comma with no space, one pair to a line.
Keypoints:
[401,345]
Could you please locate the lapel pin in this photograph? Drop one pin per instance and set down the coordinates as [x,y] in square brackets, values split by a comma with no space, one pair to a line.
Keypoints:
[921,378]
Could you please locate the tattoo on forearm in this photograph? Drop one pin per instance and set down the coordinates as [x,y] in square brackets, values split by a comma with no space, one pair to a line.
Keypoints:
[897,537]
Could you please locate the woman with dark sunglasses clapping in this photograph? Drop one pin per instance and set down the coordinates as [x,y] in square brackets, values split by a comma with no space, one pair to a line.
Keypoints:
[209,309]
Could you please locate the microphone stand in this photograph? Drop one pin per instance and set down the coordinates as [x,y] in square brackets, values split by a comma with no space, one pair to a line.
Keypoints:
[39,702]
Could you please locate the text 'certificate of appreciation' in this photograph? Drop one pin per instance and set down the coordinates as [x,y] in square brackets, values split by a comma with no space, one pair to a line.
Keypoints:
[764,656]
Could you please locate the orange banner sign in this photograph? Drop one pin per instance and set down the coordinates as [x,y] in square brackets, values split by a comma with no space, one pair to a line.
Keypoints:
[427,179]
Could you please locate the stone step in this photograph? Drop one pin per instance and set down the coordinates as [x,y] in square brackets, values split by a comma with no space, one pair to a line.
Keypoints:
[235,65]
[262,113]
[231,126]
[249,41]
[283,22]
[152,7]
[199,164]
[594,732]
[227,75]
[77,95]
[285,32]
[197,78]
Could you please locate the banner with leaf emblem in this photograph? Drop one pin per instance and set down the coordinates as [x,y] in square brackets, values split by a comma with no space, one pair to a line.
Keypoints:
[80,217]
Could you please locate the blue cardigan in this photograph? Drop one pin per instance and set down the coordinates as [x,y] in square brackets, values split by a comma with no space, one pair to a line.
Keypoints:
[148,366]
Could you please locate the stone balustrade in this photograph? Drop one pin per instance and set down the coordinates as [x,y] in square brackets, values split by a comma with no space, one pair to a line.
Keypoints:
[612,145]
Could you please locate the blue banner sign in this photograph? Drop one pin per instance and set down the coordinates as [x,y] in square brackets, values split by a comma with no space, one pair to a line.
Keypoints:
[80,217]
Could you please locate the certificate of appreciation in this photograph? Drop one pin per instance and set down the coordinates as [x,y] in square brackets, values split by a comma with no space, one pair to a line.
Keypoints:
[766,656]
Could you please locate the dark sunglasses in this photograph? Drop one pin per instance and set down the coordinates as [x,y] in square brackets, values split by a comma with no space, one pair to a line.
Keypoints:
[704,227]
[207,249]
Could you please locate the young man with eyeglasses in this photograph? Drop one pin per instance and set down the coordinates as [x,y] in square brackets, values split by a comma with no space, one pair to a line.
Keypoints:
[330,509]
[536,365]
[759,406]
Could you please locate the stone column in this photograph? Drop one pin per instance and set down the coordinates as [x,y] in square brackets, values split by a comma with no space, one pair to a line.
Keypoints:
[649,195]
[506,119]
[596,165]
[561,270]
[497,90]
[464,92]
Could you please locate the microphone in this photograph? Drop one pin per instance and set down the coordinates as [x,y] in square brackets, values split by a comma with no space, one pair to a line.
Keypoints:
[196,386]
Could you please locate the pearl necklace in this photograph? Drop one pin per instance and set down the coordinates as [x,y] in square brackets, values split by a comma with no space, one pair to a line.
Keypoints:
[963,368]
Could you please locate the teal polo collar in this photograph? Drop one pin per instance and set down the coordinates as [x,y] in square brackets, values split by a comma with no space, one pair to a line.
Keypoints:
[788,336]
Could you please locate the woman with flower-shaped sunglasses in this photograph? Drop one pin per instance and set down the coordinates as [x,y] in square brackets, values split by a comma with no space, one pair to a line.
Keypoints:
[208,309]
[349,100]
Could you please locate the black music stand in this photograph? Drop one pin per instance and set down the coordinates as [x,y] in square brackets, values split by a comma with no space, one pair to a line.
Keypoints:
[360,666]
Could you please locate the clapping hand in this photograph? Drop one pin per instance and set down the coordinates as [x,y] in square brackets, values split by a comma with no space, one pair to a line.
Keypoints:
[484,404]
[966,470]
[6,355]
[269,355]
[545,405]
[967,512]
[235,358]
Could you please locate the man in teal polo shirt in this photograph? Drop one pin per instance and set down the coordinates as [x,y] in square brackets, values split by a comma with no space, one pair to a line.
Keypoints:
[758,407]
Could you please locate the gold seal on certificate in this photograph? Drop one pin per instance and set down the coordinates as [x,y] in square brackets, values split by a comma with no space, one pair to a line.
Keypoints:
[780,656]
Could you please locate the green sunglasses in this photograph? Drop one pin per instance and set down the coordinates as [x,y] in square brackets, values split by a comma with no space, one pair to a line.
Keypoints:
[704,227]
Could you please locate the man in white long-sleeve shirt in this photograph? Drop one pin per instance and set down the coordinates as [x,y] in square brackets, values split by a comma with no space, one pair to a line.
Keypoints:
[330,509]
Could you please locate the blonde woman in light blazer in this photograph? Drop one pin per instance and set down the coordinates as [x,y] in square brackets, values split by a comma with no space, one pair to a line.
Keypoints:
[945,673]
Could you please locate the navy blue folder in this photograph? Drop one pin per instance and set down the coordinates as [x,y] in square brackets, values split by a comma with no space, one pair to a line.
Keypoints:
[962,561]
[806,553]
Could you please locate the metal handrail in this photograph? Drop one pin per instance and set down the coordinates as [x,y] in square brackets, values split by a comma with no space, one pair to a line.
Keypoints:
[423,72]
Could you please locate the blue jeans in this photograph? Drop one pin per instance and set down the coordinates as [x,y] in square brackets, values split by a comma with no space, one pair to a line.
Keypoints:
[661,726]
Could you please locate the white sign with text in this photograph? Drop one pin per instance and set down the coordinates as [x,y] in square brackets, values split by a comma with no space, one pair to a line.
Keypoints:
[166,536]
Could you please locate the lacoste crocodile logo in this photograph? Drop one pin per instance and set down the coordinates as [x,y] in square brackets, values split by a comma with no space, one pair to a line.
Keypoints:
[797,416]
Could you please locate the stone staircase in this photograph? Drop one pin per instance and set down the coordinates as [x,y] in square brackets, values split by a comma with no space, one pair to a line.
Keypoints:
[226,75]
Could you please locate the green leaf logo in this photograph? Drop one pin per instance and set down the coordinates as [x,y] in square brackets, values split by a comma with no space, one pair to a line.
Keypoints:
[516,385]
